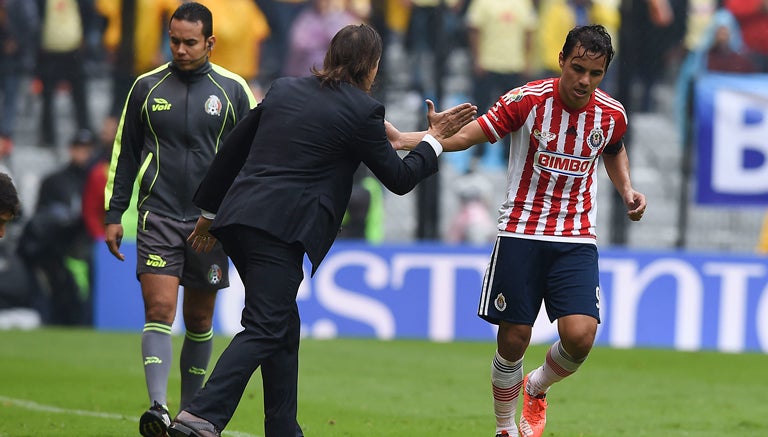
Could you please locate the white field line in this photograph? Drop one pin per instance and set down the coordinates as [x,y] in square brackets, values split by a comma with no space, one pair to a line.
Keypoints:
[34,406]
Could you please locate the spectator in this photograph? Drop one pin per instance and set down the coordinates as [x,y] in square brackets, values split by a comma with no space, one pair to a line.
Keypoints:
[753,19]
[364,218]
[720,49]
[557,17]
[650,30]
[762,242]
[133,39]
[61,58]
[726,54]
[311,35]
[427,24]
[238,43]
[280,16]
[501,36]
[55,242]
[473,224]
[18,27]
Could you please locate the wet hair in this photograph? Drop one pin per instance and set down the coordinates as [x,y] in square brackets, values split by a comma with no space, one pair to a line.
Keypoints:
[9,198]
[354,52]
[194,12]
[593,38]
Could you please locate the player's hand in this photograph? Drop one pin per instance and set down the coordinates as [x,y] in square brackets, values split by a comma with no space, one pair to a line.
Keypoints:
[113,236]
[635,205]
[446,123]
[200,239]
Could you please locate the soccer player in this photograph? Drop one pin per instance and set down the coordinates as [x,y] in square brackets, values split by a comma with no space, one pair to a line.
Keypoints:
[175,118]
[9,202]
[546,248]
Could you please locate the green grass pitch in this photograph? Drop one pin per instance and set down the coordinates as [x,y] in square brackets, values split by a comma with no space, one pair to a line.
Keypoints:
[58,382]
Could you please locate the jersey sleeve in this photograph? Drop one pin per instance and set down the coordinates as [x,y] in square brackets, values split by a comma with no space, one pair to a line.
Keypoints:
[126,154]
[619,130]
[507,115]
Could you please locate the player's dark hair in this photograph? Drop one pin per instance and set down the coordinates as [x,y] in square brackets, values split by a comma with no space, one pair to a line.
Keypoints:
[593,38]
[9,198]
[194,12]
[354,52]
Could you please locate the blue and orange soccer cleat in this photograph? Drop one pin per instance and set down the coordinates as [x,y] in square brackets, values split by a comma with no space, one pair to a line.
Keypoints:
[534,415]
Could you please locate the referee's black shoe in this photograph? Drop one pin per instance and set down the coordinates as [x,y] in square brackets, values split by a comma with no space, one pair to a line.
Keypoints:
[188,425]
[155,421]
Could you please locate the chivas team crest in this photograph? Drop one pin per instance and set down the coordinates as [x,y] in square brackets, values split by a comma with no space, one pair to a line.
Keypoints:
[500,303]
[596,138]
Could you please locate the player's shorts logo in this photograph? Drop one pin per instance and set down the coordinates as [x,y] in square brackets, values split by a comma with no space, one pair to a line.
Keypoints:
[500,303]
[214,274]
[213,105]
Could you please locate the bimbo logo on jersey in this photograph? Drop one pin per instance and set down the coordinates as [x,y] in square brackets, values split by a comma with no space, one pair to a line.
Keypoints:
[563,164]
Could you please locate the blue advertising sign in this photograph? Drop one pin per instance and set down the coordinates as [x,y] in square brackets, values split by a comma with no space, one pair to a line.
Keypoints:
[659,299]
[732,138]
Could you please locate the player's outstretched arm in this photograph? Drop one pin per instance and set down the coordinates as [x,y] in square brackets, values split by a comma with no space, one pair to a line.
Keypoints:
[454,128]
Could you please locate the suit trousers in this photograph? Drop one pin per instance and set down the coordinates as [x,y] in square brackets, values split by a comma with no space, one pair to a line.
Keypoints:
[271,271]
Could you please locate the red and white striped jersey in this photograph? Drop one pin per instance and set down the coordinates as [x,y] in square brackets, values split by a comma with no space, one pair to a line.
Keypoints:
[551,180]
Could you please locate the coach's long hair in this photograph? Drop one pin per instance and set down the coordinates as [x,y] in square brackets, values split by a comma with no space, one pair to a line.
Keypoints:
[354,52]
[595,40]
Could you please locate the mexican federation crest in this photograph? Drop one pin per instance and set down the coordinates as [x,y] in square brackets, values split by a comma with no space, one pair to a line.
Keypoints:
[500,303]
[213,105]
[214,274]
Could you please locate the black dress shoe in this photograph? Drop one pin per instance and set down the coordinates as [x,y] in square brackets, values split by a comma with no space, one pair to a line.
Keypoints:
[189,425]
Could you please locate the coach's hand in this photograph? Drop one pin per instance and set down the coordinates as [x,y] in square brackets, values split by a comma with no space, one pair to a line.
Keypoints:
[113,236]
[200,239]
[394,136]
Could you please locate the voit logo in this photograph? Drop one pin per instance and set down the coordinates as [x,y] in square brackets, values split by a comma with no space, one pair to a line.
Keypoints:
[155,261]
[161,105]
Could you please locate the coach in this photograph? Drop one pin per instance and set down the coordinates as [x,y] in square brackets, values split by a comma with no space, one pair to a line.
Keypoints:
[279,187]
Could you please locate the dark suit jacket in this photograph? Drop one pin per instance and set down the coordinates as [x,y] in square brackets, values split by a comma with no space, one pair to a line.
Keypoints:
[287,168]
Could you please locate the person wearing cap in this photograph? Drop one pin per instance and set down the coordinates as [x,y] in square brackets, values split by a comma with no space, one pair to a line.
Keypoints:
[55,242]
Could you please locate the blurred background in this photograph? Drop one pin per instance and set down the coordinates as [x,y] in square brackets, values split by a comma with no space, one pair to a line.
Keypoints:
[690,73]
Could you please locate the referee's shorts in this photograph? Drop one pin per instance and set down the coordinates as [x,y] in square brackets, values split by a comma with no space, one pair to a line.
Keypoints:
[162,249]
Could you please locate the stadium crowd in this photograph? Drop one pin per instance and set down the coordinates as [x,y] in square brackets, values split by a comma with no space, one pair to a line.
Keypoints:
[54,50]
